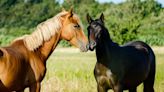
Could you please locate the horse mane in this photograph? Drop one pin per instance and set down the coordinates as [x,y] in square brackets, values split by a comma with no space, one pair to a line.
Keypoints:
[43,32]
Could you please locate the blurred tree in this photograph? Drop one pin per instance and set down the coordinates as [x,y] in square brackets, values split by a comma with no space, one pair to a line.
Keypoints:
[130,20]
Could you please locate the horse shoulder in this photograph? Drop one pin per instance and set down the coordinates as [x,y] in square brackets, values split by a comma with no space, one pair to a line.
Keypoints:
[34,63]
[12,68]
[104,76]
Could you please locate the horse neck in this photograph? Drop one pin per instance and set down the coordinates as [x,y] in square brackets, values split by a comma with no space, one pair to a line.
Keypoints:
[104,49]
[48,47]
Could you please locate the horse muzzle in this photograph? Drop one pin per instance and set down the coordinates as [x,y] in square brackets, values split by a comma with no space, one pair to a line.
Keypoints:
[91,46]
[84,48]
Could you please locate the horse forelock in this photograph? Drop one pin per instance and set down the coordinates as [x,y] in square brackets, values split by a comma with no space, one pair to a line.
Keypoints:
[43,32]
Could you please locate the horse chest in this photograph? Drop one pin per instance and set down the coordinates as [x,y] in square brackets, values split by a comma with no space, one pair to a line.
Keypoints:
[104,76]
[38,70]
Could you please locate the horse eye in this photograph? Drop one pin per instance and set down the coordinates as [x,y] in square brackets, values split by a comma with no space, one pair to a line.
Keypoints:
[77,26]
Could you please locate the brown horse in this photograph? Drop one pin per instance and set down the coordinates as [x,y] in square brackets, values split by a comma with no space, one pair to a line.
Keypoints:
[23,63]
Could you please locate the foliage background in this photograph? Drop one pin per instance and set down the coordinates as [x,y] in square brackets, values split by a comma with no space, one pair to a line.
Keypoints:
[127,21]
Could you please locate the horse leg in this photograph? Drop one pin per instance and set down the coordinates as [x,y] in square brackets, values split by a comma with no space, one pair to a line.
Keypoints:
[35,87]
[133,90]
[118,88]
[20,91]
[148,84]
[101,89]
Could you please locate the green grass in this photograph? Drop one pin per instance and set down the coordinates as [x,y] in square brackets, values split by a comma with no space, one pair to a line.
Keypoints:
[69,71]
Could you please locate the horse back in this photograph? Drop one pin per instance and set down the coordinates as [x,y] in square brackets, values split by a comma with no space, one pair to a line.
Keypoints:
[151,55]
[144,59]
[141,46]
[16,51]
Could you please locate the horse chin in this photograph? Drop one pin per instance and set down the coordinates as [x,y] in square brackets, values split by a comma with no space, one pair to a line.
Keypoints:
[91,48]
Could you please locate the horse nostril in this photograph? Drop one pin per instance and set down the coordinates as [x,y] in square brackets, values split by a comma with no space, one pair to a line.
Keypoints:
[94,43]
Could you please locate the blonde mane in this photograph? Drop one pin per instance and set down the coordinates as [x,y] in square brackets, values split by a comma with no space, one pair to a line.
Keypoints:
[44,31]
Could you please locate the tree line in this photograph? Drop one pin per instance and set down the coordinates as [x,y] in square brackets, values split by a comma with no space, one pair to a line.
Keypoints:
[126,21]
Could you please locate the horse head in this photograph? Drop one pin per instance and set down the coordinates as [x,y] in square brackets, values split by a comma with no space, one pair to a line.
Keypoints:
[95,29]
[72,30]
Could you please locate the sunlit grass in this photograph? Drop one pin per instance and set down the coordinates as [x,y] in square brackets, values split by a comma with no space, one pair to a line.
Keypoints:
[72,71]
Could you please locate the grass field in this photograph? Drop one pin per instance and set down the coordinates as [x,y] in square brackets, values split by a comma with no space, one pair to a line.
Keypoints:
[69,70]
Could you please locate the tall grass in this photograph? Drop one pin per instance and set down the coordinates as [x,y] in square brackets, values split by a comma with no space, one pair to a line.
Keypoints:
[72,71]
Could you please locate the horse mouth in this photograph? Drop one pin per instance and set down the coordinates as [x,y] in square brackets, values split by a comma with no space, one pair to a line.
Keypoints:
[91,48]
[83,48]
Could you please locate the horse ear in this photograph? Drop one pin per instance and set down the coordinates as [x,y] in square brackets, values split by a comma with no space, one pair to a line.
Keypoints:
[102,17]
[89,19]
[1,53]
[71,12]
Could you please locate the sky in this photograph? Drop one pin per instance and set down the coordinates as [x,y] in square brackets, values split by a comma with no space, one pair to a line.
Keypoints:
[115,1]
[118,1]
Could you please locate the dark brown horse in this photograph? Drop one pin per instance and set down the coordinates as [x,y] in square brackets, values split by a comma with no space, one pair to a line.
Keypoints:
[23,63]
[120,67]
